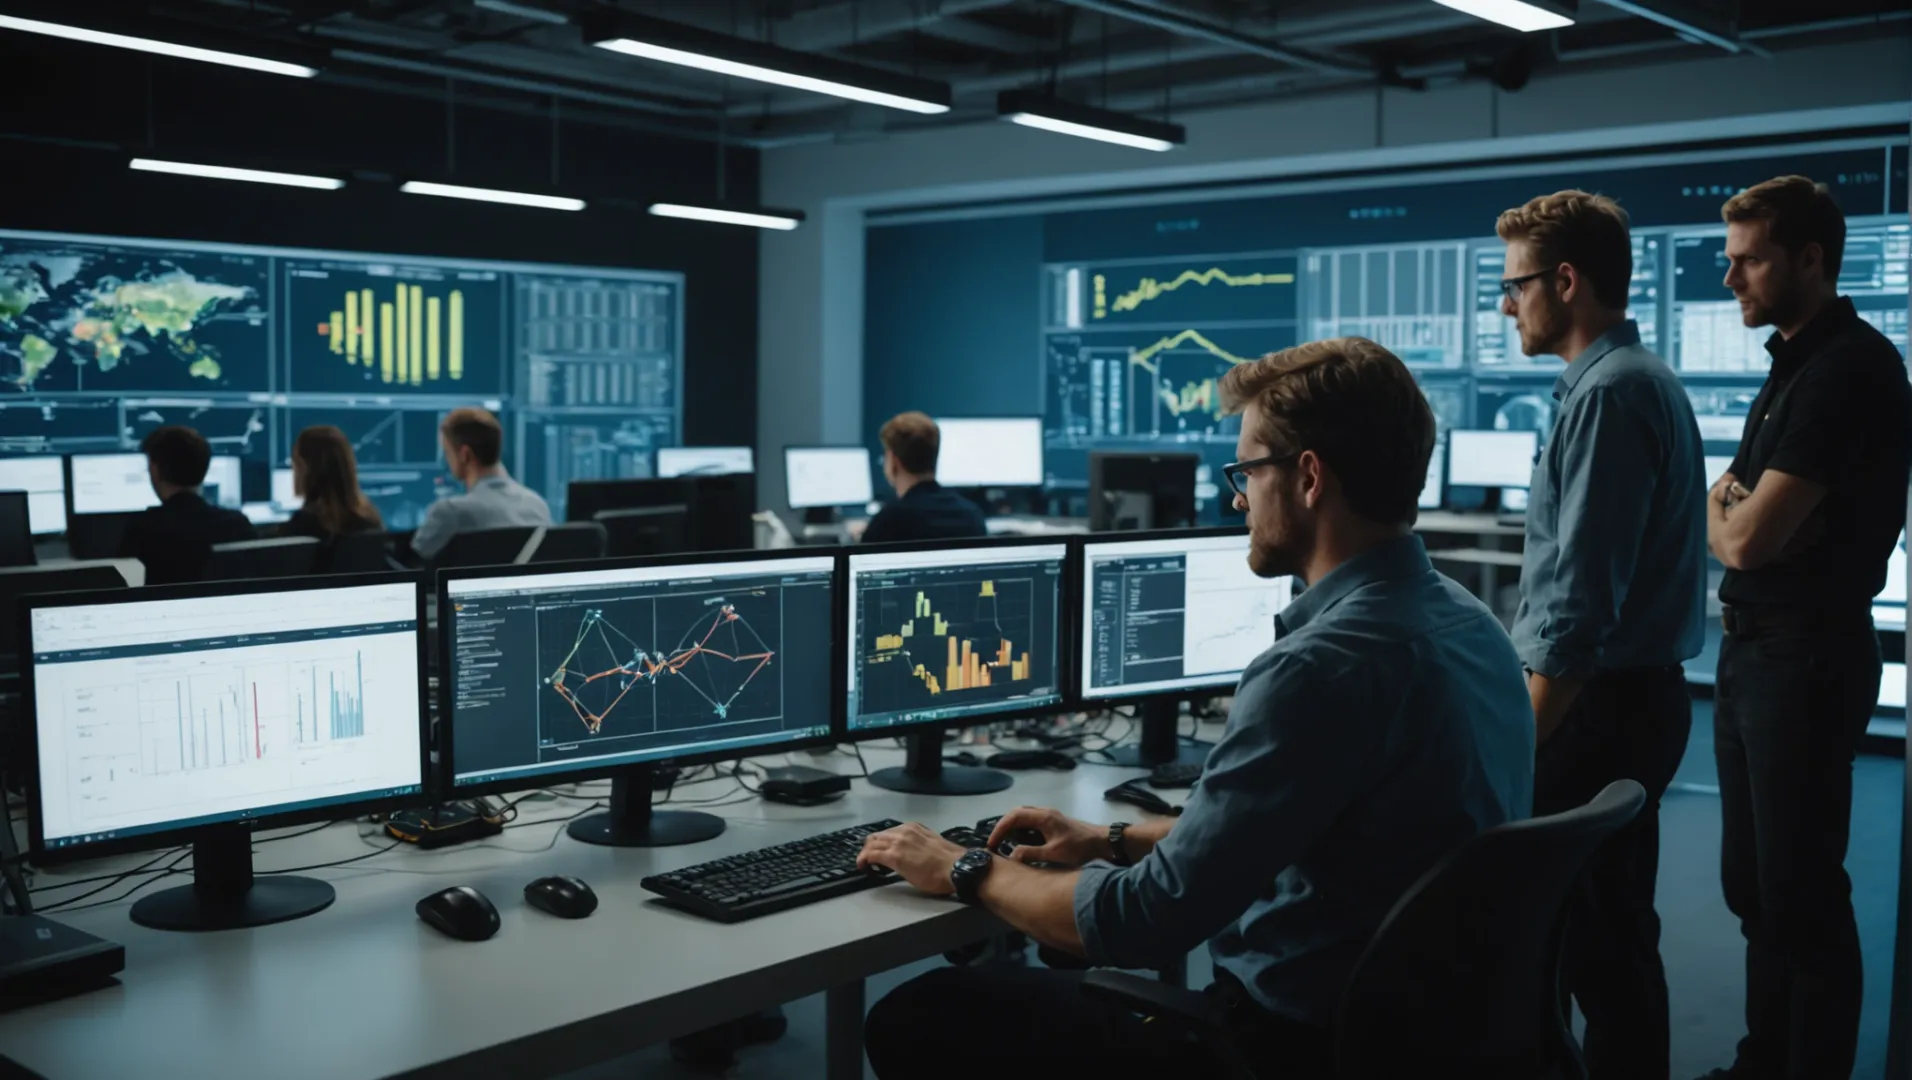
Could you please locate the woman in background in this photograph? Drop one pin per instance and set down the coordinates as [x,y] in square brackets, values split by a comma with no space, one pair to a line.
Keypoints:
[325,475]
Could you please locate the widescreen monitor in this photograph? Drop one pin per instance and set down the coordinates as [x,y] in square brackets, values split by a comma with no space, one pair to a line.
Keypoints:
[989,452]
[705,460]
[1498,459]
[43,478]
[576,671]
[121,483]
[201,712]
[283,494]
[1432,490]
[817,477]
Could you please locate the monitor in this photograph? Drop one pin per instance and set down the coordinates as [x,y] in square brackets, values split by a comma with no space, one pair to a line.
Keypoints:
[1716,467]
[203,712]
[43,478]
[1432,489]
[817,477]
[225,482]
[945,634]
[1502,459]
[120,483]
[989,452]
[16,530]
[1141,490]
[576,671]
[705,460]
[282,495]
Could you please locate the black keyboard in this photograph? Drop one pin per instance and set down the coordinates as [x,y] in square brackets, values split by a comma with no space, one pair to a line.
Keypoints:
[771,879]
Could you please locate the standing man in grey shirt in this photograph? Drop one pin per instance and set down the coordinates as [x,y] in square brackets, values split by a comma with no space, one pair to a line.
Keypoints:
[473,442]
[1387,724]
[1612,597]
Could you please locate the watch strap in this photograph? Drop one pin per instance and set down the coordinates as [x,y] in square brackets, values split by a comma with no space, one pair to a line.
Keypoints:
[1118,844]
[968,873]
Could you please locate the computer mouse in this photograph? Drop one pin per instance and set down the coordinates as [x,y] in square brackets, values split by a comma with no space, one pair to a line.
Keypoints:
[461,912]
[963,758]
[565,897]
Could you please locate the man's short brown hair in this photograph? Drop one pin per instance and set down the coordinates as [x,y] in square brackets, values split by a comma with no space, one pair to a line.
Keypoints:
[180,454]
[1588,231]
[476,429]
[1798,212]
[915,440]
[1356,405]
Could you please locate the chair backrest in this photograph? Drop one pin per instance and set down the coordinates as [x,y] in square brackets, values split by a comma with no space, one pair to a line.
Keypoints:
[283,556]
[361,553]
[648,530]
[1463,975]
[569,540]
[16,530]
[485,547]
[720,511]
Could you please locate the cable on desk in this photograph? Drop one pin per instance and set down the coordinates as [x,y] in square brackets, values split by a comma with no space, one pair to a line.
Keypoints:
[326,865]
[163,872]
[294,836]
[122,897]
[121,876]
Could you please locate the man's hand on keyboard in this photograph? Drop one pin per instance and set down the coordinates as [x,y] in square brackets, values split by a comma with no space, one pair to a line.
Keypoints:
[1065,841]
[916,854]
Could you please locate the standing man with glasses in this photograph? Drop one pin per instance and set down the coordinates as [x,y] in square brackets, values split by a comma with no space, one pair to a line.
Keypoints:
[1804,520]
[1612,599]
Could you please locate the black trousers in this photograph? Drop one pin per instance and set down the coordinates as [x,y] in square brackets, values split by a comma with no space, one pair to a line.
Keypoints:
[1007,1023]
[1792,703]
[1626,724]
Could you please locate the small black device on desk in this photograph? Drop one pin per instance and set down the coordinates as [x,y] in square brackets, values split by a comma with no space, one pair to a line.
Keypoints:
[1134,794]
[461,912]
[1175,774]
[801,785]
[1031,759]
[565,897]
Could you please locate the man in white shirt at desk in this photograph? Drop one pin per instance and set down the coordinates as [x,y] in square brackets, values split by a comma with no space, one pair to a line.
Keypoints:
[473,442]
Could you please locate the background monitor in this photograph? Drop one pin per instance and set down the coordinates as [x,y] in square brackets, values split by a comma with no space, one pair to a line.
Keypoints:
[946,635]
[1174,613]
[816,477]
[43,478]
[1432,490]
[111,484]
[1141,490]
[282,492]
[1716,467]
[204,712]
[562,672]
[705,460]
[989,452]
[225,483]
[1502,459]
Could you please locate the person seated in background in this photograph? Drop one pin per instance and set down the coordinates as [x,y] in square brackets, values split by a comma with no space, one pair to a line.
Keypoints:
[923,509]
[325,475]
[175,538]
[473,442]
[1388,723]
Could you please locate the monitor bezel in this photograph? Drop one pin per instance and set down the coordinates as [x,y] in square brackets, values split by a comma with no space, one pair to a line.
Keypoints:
[66,500]
[1065,626]
[1079,582]
[657,461]
[446,780]
[868,458]
[174,837]
[1451,483]
[1042,461]
[72,509]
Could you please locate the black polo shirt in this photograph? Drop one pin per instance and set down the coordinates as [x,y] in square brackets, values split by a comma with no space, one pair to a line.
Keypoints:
[929,512]
[1836,410]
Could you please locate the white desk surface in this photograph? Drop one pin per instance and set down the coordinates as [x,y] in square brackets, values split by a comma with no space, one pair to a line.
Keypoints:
[1447,521]
[1480,556]
[364,989]
[132,570]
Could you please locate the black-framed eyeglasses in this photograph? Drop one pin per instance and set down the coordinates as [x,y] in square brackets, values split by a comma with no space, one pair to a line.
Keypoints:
[1235,470]
[1511,287]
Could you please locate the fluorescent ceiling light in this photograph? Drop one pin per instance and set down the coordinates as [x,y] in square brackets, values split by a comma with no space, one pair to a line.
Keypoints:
[515,198]
[740,70]
[221,172]
[1086,122]
[1523,15]
[784,220]
[162,48]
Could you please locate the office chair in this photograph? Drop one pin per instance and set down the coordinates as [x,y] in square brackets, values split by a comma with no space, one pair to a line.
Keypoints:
[361,553]
[284,556]
[645,530]
[487,547]
[1463,976]
[570,540]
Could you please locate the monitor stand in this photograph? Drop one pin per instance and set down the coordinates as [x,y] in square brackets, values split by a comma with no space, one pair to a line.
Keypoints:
[225,895]
[1161,741]
[633,822]
[924,773]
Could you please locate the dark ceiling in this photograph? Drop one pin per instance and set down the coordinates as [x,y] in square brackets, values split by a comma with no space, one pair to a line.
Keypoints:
[1152,57]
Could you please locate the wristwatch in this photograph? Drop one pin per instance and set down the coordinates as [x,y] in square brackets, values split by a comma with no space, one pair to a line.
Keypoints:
[1117,846]
[968,873]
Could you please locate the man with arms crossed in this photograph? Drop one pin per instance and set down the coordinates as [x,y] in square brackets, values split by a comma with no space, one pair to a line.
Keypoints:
[1612,599]
[1387,724]
[1804,521]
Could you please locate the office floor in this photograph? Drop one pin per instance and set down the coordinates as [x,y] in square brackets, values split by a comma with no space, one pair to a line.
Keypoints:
[1701,940]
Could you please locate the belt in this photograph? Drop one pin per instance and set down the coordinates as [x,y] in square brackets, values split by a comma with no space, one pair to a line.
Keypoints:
[1750,620]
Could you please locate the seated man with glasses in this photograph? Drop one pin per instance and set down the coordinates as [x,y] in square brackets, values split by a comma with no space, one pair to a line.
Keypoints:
[1388,723]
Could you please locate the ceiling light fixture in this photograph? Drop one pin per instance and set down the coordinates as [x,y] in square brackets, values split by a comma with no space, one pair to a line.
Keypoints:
[1087,122]
[671,43]
[161,48]
[515,198]
[1525,16]
[222,172]
[781,220]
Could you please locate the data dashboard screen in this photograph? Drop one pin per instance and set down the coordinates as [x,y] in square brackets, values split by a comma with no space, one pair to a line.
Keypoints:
[104,338]
[989,451]
[1503,459]
[955,634]
[44,481]
[166,714]
[593,670]
[705,460]
[823,476]
[1184,613]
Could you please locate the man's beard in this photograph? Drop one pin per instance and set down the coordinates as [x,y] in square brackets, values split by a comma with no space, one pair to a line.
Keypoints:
[1545,339]
[1779,312]
[1281,554]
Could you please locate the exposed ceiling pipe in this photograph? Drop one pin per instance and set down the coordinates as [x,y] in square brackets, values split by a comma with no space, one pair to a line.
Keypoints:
[1679,24]
[835,27]
[1166,18]
[513,82]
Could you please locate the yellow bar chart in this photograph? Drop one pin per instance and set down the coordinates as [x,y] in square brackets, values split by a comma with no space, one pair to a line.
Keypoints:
[411,339]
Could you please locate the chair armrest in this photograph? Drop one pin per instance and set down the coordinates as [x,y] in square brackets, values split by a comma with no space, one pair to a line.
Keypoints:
[1151,997]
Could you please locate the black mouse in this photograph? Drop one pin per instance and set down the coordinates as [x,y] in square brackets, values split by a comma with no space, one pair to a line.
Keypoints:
[461,912]
[565,897]
[963,758]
